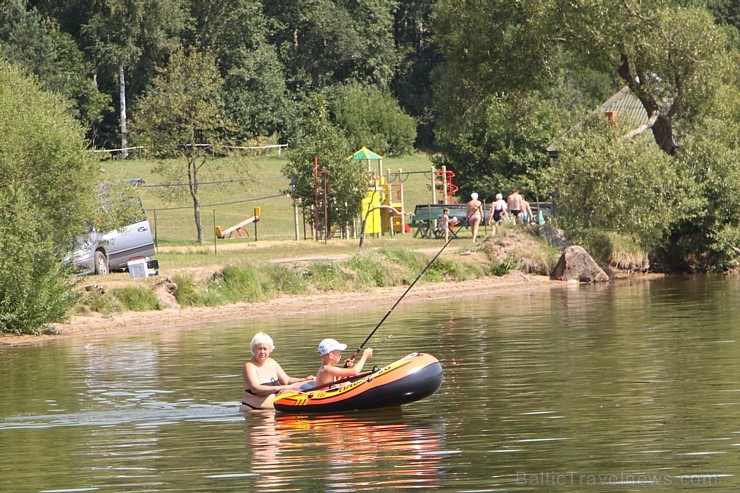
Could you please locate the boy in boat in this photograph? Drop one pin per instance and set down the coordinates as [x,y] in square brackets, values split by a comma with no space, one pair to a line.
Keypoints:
[331,352]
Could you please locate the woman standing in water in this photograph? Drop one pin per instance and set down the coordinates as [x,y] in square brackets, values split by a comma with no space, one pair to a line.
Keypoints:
[264,377]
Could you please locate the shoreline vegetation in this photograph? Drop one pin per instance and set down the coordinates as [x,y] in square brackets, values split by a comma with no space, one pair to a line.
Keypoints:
[373,277]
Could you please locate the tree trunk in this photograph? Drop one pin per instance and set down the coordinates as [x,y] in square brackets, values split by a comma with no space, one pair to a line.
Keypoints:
[663,134]
[193,186]
[124,130]
[660,124]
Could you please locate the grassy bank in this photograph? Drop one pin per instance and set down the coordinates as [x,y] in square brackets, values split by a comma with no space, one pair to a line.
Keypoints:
[200,278]
[272,264]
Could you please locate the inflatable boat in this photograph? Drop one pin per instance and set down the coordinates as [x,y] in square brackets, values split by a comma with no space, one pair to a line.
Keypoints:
[409,379]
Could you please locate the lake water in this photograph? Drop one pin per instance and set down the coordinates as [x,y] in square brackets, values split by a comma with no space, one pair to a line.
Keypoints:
[622,387]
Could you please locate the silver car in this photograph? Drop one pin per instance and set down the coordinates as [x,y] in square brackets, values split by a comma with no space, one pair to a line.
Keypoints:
[103,253]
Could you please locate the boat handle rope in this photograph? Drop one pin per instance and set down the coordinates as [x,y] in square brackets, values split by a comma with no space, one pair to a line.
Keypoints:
[351,359]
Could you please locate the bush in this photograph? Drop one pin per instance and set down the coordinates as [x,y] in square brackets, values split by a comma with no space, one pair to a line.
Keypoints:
[608,183]
[615,250]
[47,195]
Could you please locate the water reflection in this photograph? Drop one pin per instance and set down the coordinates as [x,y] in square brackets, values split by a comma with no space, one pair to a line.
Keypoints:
[344,452]
[584,388]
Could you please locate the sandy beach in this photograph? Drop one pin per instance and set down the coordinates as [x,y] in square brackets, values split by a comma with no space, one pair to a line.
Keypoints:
[97,324]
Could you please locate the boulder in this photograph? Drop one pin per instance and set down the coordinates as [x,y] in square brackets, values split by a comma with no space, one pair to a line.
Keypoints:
[554,236]
[165,290]
[576,263]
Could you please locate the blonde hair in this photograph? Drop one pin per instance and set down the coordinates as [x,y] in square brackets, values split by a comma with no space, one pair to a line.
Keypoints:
[262,338]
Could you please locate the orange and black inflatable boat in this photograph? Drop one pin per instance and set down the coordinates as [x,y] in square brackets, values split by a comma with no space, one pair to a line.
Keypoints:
[409,379]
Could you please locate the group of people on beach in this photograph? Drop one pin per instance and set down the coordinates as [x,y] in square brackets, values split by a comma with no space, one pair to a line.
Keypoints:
[264,378]
[515,207]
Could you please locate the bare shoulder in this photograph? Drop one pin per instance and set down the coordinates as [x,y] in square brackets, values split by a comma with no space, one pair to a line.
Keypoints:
[271,363]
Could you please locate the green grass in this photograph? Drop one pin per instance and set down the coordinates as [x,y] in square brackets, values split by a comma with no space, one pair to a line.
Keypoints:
[97,301]
[285,280]
[229,204]
[363,270]
[328,276]
[116,300]
[187,292]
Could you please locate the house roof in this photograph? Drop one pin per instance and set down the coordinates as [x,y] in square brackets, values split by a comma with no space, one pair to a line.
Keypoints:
[626,107]
[624,102]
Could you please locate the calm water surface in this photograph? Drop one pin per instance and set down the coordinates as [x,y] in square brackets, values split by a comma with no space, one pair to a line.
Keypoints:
[631,387]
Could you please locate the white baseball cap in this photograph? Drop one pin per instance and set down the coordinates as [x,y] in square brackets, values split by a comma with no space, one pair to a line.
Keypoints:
[328,345]
[499,196]
[474,196]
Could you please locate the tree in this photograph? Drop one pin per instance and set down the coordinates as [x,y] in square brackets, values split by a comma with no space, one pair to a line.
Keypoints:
[494,116]
[372,117]
[347,182]
[122,33]
[255,90]
[53,57]
[607,183]
[503,144]
[412,82]
[489,47]
[47,194]
[709,236]
[669,56]
[182,118]
[324,42]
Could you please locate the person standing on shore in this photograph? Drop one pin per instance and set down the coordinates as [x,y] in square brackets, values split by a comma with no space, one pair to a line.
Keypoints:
[500,209]
[444,223]
[514,203]
[474,214]
[263,377]
[526,212]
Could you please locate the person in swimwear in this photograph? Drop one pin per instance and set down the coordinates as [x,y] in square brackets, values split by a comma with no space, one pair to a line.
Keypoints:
[514,203]
[499,209]
[474,214]
[331,352]
[526,212]
[263,377]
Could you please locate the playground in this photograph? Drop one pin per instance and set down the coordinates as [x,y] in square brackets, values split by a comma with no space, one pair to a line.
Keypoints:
[387,208]
[228,203]
[228,206]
